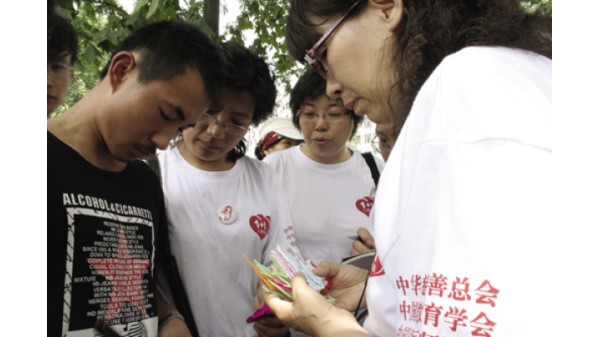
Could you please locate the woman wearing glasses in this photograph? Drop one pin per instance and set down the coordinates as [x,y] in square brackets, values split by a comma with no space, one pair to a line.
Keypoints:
[465,191]
[222,205]
[329,187]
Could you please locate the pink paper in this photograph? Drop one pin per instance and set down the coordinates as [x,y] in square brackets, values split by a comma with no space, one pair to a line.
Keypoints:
[260,312]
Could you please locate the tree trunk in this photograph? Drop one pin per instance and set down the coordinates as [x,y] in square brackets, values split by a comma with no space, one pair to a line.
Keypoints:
[211,15]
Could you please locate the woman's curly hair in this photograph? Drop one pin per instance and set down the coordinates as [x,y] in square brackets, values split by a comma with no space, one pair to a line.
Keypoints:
[429,31]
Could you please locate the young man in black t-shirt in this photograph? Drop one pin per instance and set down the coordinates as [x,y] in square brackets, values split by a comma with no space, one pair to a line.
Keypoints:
[106,207]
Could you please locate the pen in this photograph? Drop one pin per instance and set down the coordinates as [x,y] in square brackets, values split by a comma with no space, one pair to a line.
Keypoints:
[105,329]
[356,237]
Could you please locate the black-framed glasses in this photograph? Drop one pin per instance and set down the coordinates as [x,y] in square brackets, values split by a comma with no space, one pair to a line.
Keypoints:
[333,115]
[311,55]
[230,128]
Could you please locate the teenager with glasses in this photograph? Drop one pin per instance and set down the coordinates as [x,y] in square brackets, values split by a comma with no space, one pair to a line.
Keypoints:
[329,186]
[223,205]
[465,192]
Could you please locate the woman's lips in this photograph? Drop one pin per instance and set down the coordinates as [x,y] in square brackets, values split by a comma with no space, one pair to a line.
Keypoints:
[320,141]
[211,146]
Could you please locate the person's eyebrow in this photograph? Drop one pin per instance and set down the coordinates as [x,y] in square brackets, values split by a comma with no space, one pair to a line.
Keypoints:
[241,114]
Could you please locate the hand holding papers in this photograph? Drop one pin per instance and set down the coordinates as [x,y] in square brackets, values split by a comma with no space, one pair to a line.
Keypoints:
[277,278]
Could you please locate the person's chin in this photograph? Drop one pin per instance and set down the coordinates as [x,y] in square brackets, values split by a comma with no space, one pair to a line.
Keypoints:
[378,116]
[51,105]
[208,150]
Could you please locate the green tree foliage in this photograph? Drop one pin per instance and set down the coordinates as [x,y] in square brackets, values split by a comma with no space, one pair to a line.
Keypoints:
[543,6]
[102,24]
[267,20]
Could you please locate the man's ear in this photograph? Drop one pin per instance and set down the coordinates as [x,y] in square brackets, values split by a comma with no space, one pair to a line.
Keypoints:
[121,67]
[391,11]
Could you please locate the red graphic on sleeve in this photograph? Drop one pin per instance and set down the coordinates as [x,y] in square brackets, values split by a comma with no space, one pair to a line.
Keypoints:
[376,267]
[365,204]
[260,224]
[126,275]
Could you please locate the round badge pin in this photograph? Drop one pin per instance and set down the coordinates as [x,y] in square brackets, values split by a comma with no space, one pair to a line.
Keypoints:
[226,214]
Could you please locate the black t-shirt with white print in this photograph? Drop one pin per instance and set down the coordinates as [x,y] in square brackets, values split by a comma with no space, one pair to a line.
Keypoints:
[102,245]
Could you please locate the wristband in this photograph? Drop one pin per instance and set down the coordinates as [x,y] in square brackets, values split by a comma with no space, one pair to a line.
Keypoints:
[169,317]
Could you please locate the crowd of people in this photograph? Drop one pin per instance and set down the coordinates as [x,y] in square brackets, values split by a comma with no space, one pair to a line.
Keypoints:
[154,244]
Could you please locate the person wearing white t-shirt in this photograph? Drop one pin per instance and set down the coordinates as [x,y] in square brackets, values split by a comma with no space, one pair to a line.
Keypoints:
[329,186]
[223,205]
[464,202]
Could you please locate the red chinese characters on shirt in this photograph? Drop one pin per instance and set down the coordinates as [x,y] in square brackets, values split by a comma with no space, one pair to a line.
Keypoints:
[453,317]
[486,294]
[460,289]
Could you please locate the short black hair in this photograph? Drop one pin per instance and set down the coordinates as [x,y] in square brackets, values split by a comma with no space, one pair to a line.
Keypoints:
[61,38]
[312,86]
[247,72]
[169,48]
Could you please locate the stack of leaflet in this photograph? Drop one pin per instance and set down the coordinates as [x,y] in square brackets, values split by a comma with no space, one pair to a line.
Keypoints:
[278,277]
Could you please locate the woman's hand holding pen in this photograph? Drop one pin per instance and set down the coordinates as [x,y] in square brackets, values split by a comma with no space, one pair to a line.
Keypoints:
[363,242]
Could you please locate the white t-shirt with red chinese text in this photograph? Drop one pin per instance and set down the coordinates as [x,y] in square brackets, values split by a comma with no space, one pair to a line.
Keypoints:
[215,219]
[462,204]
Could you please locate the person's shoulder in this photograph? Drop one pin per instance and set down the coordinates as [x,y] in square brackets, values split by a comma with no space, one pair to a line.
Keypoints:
[140,166]
[485,72]
[141,170]
[361,159]
[490,92]
[474,60]
[258,168]
[254,164]
[279,156]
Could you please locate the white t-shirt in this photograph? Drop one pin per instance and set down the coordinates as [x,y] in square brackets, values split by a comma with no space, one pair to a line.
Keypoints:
[215,218]
[463,202]
[328,202]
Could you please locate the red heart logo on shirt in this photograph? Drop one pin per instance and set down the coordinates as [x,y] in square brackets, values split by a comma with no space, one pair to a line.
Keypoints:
[260,224]
[376,267]
[365,204]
